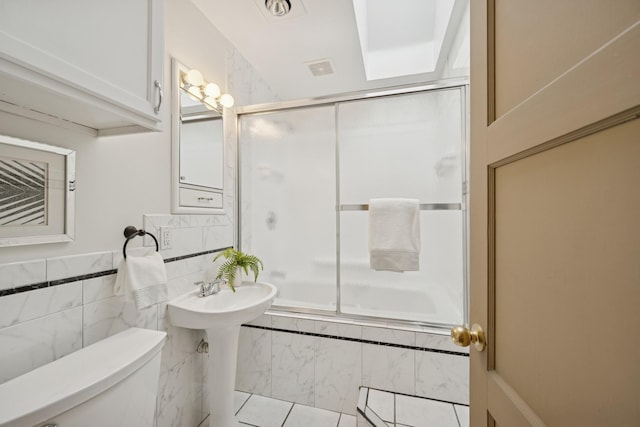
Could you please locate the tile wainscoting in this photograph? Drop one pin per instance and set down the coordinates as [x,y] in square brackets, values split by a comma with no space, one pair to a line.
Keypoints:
[323,363]
[52,307]
[55,306]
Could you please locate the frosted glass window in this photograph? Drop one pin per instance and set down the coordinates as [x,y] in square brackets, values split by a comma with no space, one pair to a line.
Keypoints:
[401,146]
[288,202]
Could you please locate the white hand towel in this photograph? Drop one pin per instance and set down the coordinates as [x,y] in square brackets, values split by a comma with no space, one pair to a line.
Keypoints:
[394,234]
[142,280]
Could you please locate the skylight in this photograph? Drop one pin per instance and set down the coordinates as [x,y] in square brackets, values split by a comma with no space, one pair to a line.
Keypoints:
[401,38]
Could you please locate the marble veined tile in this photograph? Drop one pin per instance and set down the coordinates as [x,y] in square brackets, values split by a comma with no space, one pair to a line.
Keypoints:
[98,288]
[382,403]
[293,324]
[442,376]
[438,342]
[180,394]
[107,317]
[78,265]
[388,368]
[307,416]
[388,335]
[217,237]
[419,412]
[253,373]
[292,359]
[347,421]
[264,411]
[463,415]
[337,329]
[25,306]
[338,368]
[239,399]
[31,344]
[16,274]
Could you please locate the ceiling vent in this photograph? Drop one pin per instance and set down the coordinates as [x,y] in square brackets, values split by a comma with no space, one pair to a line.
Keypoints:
[321,67]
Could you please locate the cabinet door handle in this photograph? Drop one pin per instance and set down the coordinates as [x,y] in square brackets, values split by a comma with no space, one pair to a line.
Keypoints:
[205,199]
[160,95]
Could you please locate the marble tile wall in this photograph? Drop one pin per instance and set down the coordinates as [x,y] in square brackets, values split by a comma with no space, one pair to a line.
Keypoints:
[323,363]
[62,315]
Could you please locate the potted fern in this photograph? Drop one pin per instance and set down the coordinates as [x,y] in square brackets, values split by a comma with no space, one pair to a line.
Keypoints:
[237,262]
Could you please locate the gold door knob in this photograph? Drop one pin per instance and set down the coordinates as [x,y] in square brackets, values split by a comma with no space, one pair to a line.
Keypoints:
[463,337]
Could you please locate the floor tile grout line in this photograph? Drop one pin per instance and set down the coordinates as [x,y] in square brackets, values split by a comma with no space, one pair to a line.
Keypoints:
[456,414]
[288,413]
[244,403]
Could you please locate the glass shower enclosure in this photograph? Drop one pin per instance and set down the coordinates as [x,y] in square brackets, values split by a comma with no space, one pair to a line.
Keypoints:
[307,171]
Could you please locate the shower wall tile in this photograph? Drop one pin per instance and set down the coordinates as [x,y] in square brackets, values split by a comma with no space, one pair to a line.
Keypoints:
[338,374]
[18,274]
[98,288]
[292,358]
[293,324]
[442,376]
[107,317]
[337,329]
[25,306]
[438,342]
[31,344]
[254,361]
[387,335]
[388,368]
[77,265]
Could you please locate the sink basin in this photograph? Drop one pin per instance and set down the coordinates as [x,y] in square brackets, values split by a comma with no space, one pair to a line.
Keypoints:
[226,308]
[221,315]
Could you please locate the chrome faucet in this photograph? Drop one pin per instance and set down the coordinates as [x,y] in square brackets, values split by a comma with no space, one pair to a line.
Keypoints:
[209,288]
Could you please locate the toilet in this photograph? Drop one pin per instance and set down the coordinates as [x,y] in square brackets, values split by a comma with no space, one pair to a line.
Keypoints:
[112,383]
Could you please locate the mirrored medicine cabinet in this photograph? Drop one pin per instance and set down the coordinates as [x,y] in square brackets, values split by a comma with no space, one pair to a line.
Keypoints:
[197,150]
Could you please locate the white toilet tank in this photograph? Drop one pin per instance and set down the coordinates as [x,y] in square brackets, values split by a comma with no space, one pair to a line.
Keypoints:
[112,383]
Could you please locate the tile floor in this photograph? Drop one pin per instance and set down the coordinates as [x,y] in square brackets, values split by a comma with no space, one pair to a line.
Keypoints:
[259,411]
[384,408]
[396,410]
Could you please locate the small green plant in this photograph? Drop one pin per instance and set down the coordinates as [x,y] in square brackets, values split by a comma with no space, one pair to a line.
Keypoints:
[236,259]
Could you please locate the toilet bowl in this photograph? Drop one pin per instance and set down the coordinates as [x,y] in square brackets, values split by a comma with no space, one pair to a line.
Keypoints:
[112,383]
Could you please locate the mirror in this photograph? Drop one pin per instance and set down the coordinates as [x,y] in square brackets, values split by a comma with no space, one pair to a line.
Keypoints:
[197,147]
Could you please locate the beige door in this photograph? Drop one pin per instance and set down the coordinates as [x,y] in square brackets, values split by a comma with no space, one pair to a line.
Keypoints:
[555,212]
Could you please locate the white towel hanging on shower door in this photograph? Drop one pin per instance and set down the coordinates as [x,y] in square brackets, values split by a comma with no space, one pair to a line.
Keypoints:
[394,234]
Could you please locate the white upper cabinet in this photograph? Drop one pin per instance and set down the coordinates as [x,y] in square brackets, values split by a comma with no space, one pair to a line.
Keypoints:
[94,65]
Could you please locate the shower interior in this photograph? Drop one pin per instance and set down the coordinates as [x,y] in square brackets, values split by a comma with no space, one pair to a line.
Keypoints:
[306,173]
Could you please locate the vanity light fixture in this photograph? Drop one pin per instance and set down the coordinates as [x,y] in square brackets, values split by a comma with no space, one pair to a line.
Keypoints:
[201,90]
[278,7]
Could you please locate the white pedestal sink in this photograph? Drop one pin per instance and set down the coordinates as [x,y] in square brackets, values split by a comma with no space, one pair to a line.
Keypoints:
[221,315]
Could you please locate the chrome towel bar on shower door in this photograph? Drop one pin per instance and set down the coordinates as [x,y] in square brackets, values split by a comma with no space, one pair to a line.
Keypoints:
[423,207]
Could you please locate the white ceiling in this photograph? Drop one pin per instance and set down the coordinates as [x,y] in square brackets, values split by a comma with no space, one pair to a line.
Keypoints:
[278,48]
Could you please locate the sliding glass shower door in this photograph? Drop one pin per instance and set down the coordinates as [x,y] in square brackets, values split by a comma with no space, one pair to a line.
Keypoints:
[404,146]
[306,177]
[287,203]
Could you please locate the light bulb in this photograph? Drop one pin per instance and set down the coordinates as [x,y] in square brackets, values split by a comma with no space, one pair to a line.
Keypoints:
[212,90]
[194,78]
[226,100]
[195,93]
[210,103]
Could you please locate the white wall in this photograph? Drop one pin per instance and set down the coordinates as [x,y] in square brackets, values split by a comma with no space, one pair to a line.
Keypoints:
[119,178]
[123,180]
